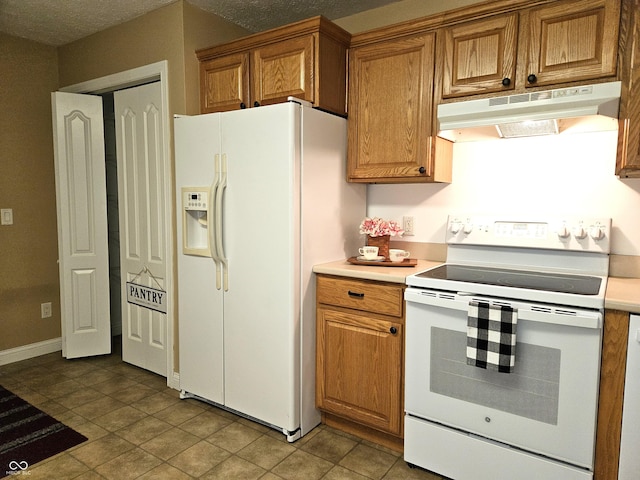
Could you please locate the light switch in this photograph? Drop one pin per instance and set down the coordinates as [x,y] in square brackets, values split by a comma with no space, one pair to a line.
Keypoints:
[6,216]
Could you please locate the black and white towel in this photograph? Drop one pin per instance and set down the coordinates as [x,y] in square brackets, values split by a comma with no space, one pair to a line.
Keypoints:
[491,336]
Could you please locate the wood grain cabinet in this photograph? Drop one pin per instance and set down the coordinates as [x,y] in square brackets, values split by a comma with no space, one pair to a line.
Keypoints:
[360,353]
[391,114]
[560,42]
[628,158]
[612,377]
[307,60]
[479,56]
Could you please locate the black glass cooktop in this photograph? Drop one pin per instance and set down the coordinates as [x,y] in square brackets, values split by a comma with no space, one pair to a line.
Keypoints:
[552,282]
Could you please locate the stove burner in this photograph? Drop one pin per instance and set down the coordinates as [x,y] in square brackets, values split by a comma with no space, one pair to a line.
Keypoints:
[553,282]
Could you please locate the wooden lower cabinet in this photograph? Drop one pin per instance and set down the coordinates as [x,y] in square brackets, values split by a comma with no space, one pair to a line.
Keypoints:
[360,357]
[612,374]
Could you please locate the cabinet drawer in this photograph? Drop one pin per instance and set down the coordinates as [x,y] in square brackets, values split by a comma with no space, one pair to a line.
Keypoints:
[374,297]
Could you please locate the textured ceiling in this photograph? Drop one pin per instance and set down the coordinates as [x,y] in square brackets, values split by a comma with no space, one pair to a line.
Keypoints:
[58,22]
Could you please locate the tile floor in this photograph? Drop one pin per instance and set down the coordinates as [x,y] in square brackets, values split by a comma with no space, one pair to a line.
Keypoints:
[139,428]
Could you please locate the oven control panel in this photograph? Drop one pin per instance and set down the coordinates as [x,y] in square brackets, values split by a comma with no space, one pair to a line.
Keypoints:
[591,234]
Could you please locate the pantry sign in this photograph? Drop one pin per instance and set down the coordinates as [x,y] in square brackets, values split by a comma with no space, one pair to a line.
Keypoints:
[147,297]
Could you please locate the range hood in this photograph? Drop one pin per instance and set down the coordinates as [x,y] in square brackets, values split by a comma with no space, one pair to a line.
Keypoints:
[585,108]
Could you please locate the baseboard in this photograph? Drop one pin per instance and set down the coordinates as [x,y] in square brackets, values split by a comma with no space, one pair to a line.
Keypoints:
[30,351]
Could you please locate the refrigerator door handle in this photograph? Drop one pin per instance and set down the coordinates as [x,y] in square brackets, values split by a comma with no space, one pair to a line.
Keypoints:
[212,227]
[222,185]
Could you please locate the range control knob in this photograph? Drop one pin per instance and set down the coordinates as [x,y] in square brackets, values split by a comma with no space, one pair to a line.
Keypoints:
[455,226]
[596,231]
[579,232]
[563,232]
[468,227]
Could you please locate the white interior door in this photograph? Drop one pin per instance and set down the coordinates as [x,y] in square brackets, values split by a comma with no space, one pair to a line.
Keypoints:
[82,224]
[143,232]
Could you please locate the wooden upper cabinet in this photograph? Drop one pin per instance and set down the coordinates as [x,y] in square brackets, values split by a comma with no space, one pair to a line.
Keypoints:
[224,83]
[306,59]
[572,41]
[628,158]
[283,69]
[558,42]
[479,56]
[391,111]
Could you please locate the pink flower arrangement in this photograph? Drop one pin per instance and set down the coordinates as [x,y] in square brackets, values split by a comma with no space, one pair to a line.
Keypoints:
[377,227]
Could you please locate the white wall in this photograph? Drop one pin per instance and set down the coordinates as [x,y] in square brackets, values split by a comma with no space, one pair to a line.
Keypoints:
[570,174]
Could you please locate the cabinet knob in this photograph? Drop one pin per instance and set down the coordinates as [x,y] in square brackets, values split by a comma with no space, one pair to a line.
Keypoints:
[256,103]
[422,170]
[532,78]
[506,81]
[393,330]
[243,105]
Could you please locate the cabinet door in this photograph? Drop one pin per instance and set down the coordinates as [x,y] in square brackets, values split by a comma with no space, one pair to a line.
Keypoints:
[283,69]
[628,159]
[359,369]
[390,110]
[572,41]
[480,56]
[224,83]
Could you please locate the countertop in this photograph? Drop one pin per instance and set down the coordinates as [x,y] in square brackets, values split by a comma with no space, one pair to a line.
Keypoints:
[622,293]
[343,268]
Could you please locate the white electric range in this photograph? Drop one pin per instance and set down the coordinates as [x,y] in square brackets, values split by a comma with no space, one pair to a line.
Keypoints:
[538,420]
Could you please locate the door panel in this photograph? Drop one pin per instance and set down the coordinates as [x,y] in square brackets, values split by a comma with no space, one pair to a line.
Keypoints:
[197,143]
[141,185]
[262,191]
[82,224]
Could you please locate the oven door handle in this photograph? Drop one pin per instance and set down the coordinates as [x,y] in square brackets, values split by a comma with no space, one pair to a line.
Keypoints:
[532,313]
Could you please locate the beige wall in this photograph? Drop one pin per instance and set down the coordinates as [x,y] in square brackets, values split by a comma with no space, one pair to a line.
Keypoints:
[28,248]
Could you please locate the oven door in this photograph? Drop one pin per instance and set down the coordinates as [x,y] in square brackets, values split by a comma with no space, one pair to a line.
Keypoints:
[547,405]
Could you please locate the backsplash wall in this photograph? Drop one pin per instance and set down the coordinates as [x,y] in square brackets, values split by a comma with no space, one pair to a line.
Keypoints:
[571,174]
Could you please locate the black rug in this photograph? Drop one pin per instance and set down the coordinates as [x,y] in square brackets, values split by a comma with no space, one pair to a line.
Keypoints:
[28,435]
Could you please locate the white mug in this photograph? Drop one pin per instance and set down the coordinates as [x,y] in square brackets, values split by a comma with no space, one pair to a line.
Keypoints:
[369,252]
[397,255]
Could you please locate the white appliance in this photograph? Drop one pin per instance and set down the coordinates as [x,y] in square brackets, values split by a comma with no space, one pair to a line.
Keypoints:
[263,197]
[540,112]
[630,439]
[537,422]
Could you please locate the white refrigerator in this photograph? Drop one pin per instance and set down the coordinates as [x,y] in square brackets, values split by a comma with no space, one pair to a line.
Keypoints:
[263,197]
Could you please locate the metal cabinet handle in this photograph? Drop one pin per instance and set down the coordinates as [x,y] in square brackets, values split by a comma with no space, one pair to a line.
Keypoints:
[256,103]
[422,170]
[506,81]
[355,294]
[393,330]
[243,105]
[532,78]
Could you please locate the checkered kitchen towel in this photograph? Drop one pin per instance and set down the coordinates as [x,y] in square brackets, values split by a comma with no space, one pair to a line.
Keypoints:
[491,336]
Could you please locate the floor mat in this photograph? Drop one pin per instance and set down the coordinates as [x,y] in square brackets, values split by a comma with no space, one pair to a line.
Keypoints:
[28,435]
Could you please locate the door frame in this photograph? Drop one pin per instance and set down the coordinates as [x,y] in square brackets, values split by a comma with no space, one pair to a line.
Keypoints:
[158,71]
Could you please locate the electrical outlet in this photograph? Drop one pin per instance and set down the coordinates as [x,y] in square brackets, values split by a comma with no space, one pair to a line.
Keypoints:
[45,310]
[6,216]
[407,225]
